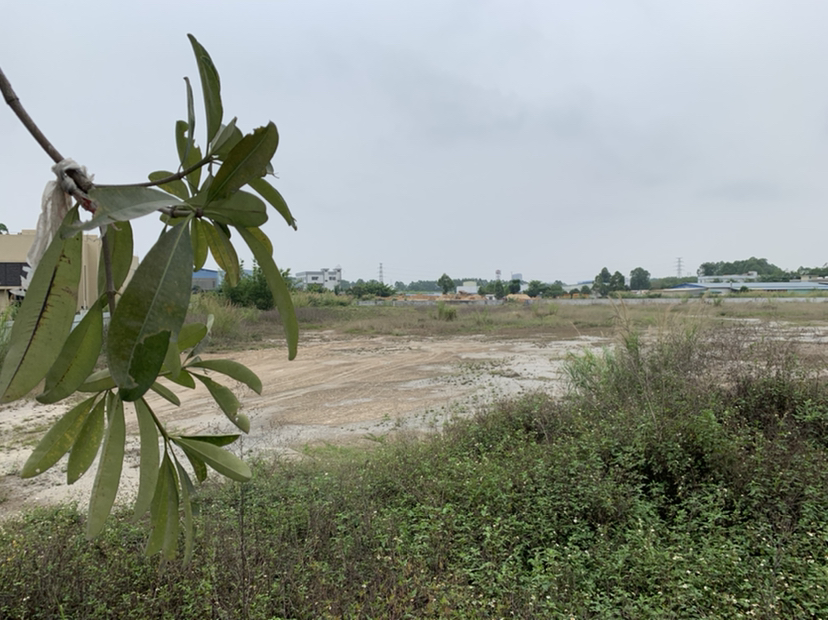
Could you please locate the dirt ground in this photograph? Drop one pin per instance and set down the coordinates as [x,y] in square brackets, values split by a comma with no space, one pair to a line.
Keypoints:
[338,389]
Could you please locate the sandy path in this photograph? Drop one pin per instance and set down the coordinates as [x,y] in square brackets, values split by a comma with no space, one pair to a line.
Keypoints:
[338,389]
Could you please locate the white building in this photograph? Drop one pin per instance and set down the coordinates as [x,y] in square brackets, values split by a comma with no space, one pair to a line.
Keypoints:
[329,278]
[469,287]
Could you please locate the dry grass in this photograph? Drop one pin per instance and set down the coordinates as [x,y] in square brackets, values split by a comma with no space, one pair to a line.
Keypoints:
[243,328]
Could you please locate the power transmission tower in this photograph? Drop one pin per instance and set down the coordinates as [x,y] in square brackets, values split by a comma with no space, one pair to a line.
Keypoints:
[678,266]
[380,274]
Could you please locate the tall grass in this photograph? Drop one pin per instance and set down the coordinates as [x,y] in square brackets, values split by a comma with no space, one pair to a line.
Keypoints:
[685,475]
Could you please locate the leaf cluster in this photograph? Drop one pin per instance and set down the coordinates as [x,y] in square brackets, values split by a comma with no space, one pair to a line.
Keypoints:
[147,346]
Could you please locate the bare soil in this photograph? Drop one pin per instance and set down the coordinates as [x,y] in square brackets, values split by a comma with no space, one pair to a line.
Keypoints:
[339,389]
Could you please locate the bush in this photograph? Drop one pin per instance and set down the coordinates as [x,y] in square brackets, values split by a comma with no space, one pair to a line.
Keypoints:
[446,312]
[681,477]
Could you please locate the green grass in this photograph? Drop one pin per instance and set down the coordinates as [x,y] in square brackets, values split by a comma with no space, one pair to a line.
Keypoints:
[684,476]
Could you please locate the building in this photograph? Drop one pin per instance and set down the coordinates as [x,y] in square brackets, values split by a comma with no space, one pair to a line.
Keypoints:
[205,280]
[469,287]
[14,249]
[750,276]
[329,278]
[794,286]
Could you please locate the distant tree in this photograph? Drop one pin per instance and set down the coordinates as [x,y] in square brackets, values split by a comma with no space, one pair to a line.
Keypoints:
[535,288]
[617,282]
[423,286]
[499,289]
[585,290]
[252,290]
[372,288]
[446,284]
[670,281]
[399,286]
[514,287]
[3,229]
[601,285]
[723,268]
[553,290]
[640,279]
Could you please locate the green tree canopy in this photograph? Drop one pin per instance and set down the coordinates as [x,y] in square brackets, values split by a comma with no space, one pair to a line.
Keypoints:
[601,284]
[371,288]
[639,279]
[446,284]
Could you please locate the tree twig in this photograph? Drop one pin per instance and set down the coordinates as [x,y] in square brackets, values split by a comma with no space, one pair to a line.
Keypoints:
[173,177]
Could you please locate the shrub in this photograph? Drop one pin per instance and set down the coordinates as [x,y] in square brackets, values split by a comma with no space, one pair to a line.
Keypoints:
[446,312]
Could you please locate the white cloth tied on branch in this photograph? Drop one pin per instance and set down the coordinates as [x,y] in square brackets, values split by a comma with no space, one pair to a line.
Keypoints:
[55,204]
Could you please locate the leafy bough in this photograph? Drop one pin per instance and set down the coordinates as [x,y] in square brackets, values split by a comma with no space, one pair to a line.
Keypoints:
[202,206]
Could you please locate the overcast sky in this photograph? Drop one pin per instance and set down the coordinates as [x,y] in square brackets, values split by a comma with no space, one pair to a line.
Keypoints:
[541,137]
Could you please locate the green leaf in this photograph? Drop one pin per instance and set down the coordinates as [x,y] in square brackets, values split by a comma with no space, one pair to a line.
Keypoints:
[199,467]
[272,195]
[216,440]
[164,512]
[98,382]
[77,359]
[45,317]
[239,209]
[247,161]
[226,400]
[150,455]
[150,313]
[86,445]
[223,151]
[108,476]
[200,247]
[232,369]
[166,393]
[190,335]
[177,188]
[190,117]
[281,294]
[203,344]
[120,236]
[227,137]
[119,204]
[57,441]
[188,154]
[211,87]
[172,361]
[223,252]
[225,463]
[184,379]
[187,491]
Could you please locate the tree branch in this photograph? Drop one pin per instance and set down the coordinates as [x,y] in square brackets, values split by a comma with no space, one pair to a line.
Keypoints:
[14,103]
[173,177]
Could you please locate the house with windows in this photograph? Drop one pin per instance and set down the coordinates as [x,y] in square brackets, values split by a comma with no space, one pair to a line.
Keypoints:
[329,278]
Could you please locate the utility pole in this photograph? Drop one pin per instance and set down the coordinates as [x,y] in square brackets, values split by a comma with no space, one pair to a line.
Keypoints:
[678,266]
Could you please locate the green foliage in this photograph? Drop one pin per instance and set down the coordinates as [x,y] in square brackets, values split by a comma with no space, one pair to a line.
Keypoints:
[147,341]
[649,491]
[761,266]
[537,288]
[670,282]
[371,288]
[252,289]
[445,312]
[446,284]
[639,279]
